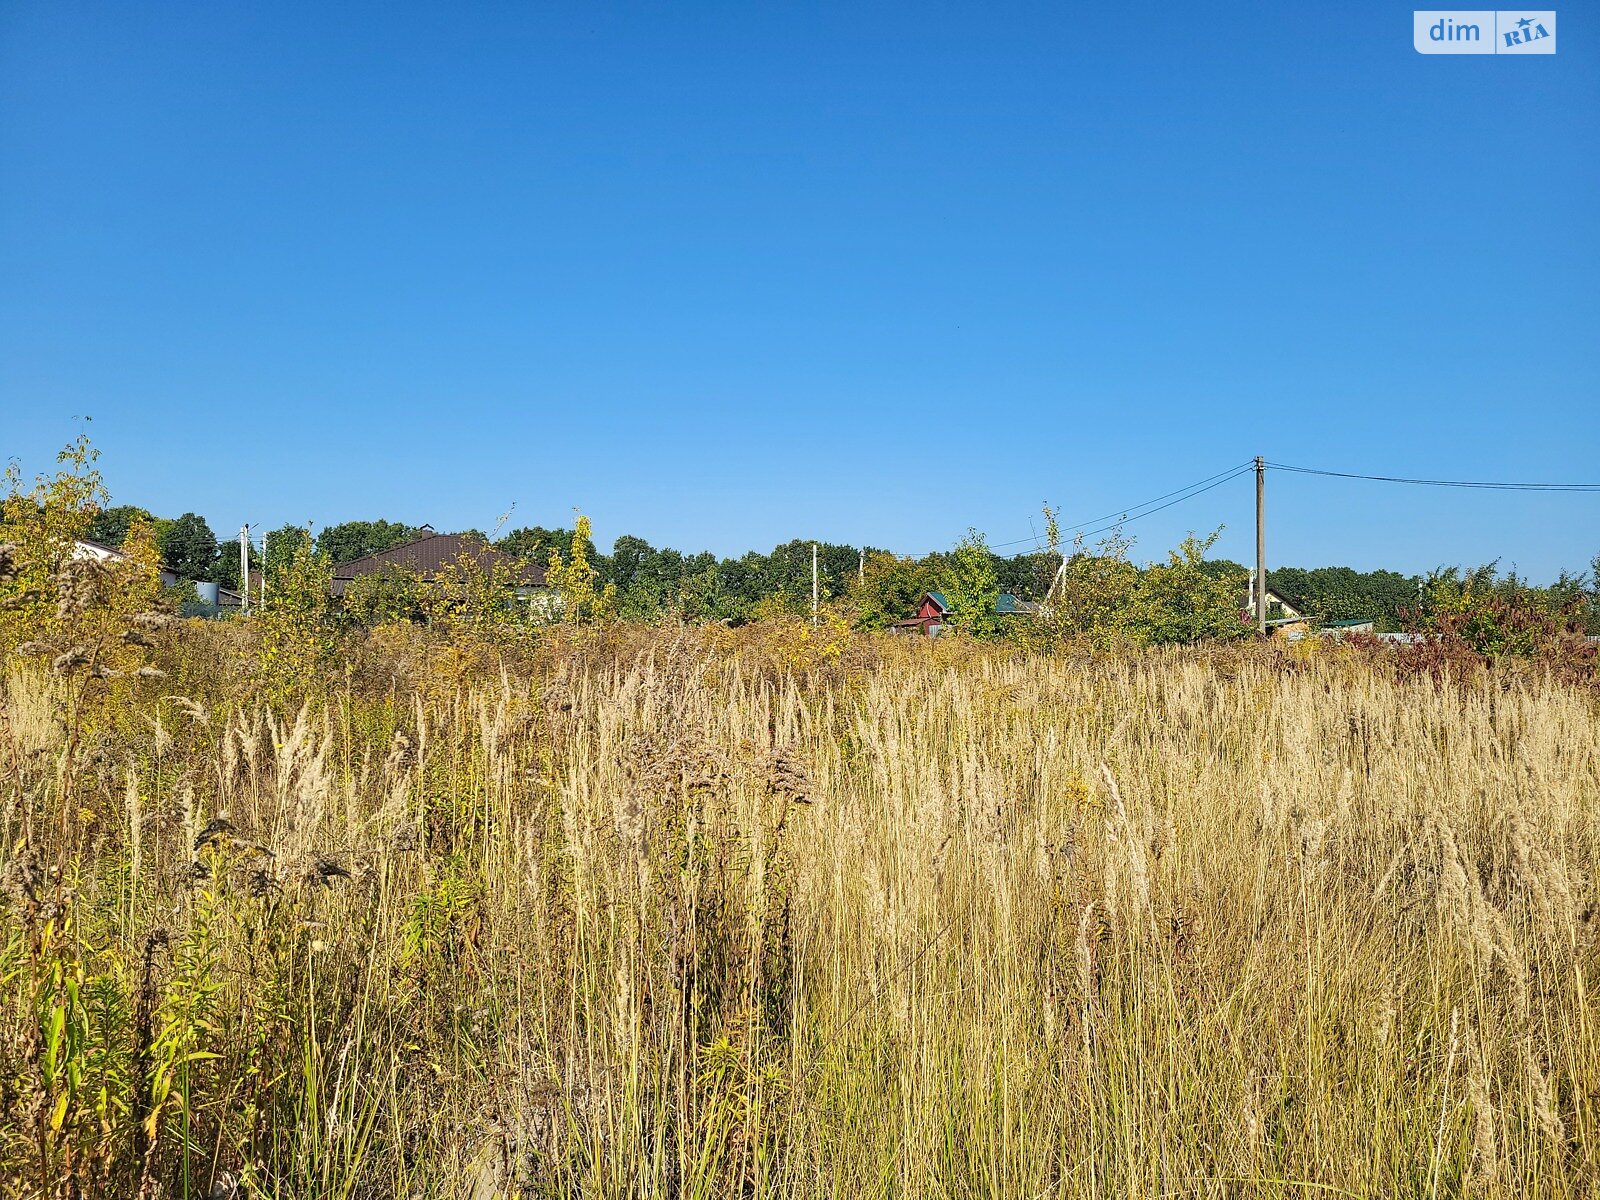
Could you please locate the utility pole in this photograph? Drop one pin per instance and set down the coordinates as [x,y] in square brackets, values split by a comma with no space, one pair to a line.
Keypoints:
[813,583]
[244,567]
[861,566]
[1261,546]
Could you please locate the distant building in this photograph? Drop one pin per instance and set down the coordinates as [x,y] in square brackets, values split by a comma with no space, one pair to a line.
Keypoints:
[208,599]
[1278,608]
[1354,625]
[434,554]
[933,608]
[100,552]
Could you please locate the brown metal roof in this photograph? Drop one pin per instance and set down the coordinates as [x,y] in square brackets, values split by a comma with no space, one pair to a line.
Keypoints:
[431,553]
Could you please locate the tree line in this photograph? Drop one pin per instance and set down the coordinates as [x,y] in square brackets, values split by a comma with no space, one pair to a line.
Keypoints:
[1203,595]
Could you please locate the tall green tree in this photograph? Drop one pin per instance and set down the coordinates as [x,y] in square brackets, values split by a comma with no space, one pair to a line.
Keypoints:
[629,555]
[535,542]
[705,594]
[279,547]
[971,587]
[350,540]
[226,569]
[188,547]
[786,573]
[647,581]
[110,525]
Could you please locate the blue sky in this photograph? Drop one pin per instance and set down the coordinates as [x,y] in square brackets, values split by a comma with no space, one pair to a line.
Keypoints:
[727,274]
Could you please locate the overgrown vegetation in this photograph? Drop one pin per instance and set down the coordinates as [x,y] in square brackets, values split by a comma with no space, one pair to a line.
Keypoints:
[298,908]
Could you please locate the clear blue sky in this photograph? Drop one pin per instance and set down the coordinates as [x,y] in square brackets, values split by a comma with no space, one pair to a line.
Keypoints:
[727,274]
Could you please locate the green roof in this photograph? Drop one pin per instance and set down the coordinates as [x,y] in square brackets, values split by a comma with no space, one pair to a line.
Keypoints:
[1006,604]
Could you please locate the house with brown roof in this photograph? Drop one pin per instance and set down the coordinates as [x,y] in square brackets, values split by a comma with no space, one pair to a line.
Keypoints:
[432,555]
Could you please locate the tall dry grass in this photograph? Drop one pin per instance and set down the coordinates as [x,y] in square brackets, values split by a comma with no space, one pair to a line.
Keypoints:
[706,915]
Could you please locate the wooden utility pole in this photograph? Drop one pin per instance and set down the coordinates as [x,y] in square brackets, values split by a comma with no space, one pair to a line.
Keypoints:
[813,583]
[1261,546]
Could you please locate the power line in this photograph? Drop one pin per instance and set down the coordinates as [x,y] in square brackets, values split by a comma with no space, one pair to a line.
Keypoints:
[1147,508]
[1193,489]
[1459,483]
[1132,512]
[1228,478]
[1125,514]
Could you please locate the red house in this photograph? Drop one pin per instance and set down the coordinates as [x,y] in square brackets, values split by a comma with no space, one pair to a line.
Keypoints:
[930,616]
[931,610]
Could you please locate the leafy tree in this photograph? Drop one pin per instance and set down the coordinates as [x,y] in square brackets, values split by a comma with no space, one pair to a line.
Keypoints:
[704,592]
[477,589]
[785,574]
[1027,576]
[888,589]
[647,581]
[296,621]
[88,621]
[837,567]
[351,540]
[226,569]
[279,546]
[1579,594]
[392,594]
[110,526]
[629,555]
[582,597]
[1497,615]
[1592,598]
[1340,593]
[658,583]
[1179,602]
[535,543]
[1219,567]
[1091,597]
[38,528]
[189,548]
[972,587]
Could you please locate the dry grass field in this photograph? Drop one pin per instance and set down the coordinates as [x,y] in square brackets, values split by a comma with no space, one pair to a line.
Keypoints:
[715,913]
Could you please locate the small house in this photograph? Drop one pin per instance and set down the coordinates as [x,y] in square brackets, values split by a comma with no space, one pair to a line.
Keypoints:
[932,609]
[1278,607]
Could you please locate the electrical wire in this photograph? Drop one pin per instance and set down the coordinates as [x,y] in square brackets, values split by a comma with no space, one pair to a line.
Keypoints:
[1228,478]
[1115,520]
[1132,512]
[1460,483]
[1126,514]
[1137,512]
